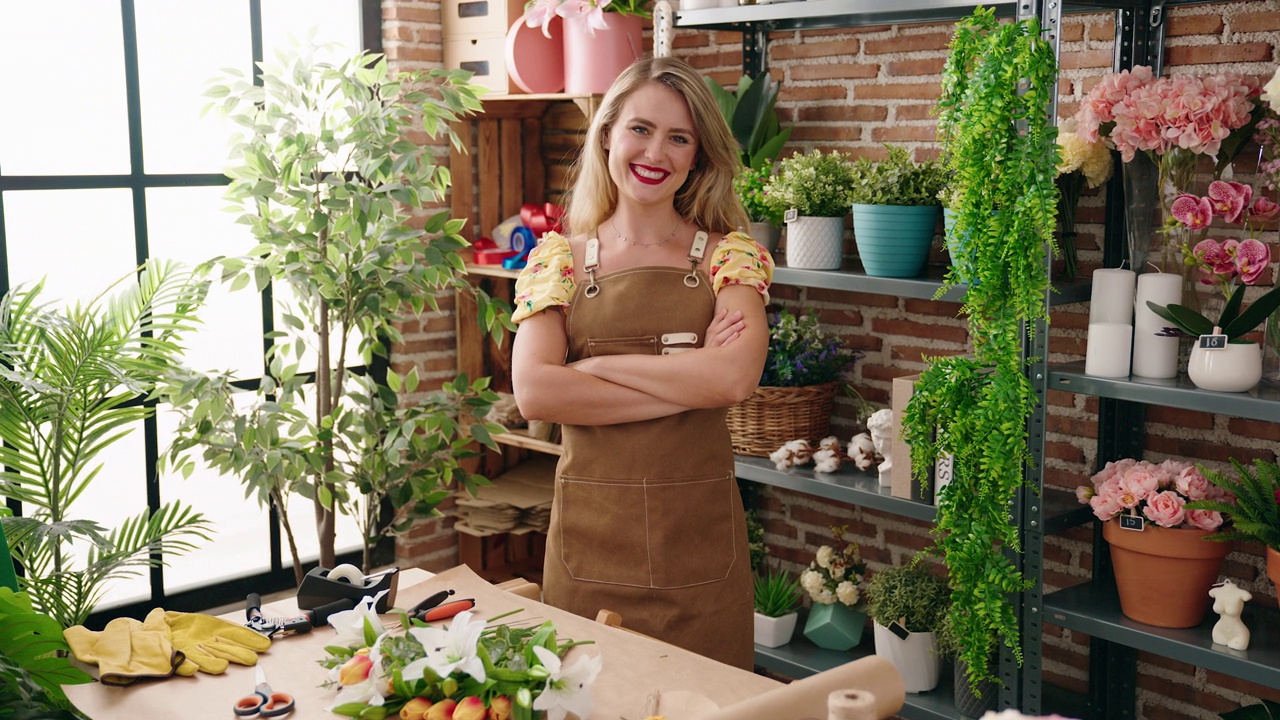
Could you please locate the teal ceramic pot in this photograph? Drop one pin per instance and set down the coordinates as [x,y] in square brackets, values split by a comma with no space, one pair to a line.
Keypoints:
[835,626]
[894,240]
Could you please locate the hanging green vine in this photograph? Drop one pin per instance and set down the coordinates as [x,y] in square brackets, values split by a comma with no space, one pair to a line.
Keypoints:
[1000,146]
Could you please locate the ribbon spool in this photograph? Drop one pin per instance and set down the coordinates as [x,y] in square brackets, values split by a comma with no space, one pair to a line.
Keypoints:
[522,242]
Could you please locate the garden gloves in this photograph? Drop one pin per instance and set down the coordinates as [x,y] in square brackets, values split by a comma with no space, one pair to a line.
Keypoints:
[125,651]
[166,643]
[209,643]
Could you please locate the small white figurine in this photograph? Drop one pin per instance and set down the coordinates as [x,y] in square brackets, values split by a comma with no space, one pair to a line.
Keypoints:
[880,424]
[862,451]
[1228,602]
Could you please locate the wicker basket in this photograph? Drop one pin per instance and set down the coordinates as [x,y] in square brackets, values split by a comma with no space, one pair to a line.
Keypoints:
[773,415]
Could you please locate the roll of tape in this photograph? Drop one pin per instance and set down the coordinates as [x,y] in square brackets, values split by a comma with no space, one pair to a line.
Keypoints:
[347,572]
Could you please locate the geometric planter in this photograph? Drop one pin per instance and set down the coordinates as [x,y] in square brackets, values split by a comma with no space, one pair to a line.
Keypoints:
[1164,574]
[774,631]
[815,243]
[894,240]
[969,703]
[916,658]
[835,627]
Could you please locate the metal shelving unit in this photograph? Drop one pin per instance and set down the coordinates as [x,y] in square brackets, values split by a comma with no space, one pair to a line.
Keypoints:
[854,487]
[1261,403]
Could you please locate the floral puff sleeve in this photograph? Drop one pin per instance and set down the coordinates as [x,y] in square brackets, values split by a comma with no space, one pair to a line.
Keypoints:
[547,280]
[739,260]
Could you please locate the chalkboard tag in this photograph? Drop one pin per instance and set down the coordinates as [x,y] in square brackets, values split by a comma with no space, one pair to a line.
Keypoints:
[899,628]
[1131,522]
[1214,341]
[790,215]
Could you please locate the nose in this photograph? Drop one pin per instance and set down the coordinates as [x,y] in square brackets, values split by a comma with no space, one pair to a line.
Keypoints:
[653,149]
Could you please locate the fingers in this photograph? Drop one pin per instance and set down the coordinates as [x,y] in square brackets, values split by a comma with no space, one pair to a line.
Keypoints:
[725,328]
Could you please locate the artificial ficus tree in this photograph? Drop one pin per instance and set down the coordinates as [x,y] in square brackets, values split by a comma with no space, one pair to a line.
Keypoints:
[328,180]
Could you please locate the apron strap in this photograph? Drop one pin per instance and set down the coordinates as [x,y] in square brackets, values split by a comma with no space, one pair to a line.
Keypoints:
[590,263]
[696,252]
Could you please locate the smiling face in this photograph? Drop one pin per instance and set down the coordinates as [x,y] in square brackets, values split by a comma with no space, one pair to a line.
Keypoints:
[652,146]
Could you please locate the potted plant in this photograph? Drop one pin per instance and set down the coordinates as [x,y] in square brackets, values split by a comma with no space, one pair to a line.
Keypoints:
[329,185]
[998,86]
[813,191]
[895,212]
[600,38]
[33,662]
[836,617]
[71,386]
[972,700]
[1255,514]
[908,605]
[1154,536]
[797,388]
[1229,364]
[766,222]
[777,600]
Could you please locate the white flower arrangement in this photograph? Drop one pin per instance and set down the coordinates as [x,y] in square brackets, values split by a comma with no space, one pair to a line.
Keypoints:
[835,576]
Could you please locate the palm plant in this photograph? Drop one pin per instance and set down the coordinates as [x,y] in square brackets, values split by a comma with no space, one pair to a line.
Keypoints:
[71,381]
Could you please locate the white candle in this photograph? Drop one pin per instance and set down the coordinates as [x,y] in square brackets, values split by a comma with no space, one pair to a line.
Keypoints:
[1155,356]
[1107,354]
[1112,298]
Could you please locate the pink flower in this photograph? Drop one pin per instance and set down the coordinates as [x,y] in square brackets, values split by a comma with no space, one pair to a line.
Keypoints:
[1097,107]
[1106,504]
[1084,493]
[1251,258]
[1192,484]
[1139,482]
[1263,210]
[1204,519]
[1194,212]
[1230,199]
[1166,509]
[542,12]
[590,12]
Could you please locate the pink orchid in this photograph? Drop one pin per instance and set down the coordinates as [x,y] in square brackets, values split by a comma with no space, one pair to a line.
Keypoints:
[590,12]
[1264,211]
[1192,211]
[542,12]
[1251,258]
[1215,258]
[1230,199]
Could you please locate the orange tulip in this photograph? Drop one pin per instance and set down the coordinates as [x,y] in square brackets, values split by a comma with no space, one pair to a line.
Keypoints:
[356,670]
[470,708]
[442,710]
[415,709]
[500,708]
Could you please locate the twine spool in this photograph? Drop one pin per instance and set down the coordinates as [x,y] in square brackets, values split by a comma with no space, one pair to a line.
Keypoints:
[851,705]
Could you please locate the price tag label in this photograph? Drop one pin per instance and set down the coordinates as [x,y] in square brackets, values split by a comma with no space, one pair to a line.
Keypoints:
[899,628]
[790,215]
[1132,522]
[1213,342]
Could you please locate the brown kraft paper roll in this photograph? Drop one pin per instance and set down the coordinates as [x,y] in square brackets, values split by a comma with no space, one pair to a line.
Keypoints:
[807,698]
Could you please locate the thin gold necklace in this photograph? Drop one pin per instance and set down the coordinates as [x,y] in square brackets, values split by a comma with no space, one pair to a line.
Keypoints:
[623,238]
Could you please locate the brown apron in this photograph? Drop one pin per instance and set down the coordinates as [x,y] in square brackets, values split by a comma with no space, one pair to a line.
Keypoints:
[647,520]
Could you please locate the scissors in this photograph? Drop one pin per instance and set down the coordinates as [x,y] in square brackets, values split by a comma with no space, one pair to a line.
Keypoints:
[264,702]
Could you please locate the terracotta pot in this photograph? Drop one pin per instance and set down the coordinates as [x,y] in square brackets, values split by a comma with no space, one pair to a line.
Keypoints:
[1164,574]
[1273,566]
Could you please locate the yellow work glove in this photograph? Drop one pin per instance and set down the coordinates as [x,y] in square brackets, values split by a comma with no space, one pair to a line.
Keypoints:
[209,643]
[124,651]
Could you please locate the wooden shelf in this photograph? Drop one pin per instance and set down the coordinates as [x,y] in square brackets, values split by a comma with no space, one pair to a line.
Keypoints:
[521,439]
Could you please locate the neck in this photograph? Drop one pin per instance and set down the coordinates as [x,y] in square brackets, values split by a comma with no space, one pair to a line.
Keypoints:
[641,231]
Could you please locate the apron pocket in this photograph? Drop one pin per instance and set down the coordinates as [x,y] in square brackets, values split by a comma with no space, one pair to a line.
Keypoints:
[637,345]
[668,533]
[691,529]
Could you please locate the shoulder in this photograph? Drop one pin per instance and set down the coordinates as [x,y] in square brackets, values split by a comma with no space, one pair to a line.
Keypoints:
[547,279]
[739,260]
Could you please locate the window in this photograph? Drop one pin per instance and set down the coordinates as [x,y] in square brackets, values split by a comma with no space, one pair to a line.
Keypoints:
[105,161]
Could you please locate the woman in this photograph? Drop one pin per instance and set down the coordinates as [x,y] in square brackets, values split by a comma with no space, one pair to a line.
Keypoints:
[636,332]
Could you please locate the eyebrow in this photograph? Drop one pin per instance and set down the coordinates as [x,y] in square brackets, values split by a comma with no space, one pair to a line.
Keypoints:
[650,124]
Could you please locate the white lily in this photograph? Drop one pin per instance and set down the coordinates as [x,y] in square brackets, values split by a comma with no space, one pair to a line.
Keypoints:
[567,689]
[449,650]
[349,624]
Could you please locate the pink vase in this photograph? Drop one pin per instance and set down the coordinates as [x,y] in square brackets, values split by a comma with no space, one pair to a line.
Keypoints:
[591,64]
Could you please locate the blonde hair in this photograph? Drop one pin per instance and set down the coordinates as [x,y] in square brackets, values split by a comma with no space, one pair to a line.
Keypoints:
[707,198]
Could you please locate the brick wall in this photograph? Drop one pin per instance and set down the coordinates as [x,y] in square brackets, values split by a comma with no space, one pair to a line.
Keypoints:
[853,90]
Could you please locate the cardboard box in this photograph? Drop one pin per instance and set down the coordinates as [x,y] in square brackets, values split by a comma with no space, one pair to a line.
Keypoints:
[901,483]
[474,18]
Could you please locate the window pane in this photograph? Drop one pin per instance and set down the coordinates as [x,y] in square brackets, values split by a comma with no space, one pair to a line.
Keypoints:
[181,47]
[74,78]
[302,518]
[289,23]
[241,527]
[190,225]
[81,240]
[286,301]
[118,492]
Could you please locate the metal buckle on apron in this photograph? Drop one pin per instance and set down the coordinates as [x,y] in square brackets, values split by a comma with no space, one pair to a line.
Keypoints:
[590,263]
[696,251]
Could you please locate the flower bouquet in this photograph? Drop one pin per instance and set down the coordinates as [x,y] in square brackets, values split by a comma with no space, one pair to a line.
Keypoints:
[1081,163]
[797,388]
[589,12]
[471,670]
[832,581]
[1154,536]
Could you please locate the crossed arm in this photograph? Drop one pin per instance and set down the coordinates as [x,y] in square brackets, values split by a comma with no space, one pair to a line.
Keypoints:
[628,388]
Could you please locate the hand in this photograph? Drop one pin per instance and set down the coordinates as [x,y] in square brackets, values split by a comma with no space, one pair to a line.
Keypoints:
[124,651]
[209,643]
[724,328]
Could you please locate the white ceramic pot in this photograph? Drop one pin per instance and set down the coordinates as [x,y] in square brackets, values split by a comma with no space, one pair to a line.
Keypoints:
[916,658]
[1235,368]
[775,631]
[815,243]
